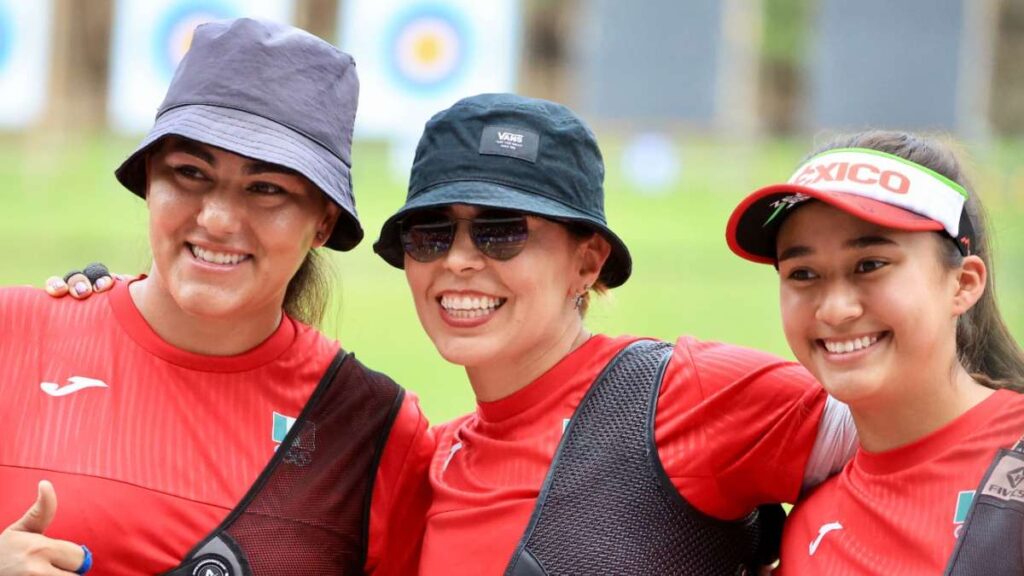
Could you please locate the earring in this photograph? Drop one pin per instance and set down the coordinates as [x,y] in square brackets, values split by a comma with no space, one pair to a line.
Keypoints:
[581,296]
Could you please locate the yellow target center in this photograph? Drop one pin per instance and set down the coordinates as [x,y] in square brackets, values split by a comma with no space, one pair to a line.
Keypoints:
[427,49]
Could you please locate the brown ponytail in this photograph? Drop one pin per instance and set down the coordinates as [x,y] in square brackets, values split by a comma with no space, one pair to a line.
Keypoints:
[984,344]
[309,290]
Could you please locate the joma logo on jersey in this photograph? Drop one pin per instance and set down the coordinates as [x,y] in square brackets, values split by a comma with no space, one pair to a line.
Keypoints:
[510,137]
[858,172]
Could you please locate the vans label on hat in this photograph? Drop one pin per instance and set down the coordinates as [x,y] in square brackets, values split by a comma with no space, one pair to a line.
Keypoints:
[508,141]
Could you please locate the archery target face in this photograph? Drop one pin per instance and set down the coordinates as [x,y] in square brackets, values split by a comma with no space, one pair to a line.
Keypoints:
[176,28]
[429,48]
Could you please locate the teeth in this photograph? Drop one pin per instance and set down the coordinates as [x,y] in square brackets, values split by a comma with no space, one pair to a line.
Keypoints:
[470,306]
[847,346]
[217,257]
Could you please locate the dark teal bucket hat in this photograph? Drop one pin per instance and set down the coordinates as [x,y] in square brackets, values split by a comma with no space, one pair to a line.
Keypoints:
[511,152]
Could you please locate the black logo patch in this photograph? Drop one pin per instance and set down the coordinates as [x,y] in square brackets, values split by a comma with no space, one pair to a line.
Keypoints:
[1006,477]
[211,567]
[1015,476]
[510,141]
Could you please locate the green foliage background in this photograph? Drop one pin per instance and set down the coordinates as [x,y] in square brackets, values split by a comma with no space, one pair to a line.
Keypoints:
[62,208]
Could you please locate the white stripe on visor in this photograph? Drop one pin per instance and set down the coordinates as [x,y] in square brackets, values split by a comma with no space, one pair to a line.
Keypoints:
[886,178]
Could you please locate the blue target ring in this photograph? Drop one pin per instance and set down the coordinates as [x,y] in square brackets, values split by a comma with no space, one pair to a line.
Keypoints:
[169,40]
[428,47]
[7,32]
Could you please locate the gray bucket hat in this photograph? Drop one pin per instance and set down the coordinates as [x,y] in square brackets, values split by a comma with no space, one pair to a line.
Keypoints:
[509,151]
[269,92]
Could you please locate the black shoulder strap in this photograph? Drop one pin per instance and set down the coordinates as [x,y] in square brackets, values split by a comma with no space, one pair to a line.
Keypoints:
[991,541]
[308,511]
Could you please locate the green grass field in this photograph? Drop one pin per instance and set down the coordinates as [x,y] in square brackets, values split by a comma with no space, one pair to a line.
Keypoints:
[62,208]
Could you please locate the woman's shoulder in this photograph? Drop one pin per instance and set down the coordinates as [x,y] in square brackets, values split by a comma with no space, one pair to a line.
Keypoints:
[1011,405]
[445,429]
[313,339]
[707,357]
[19,295]
[30,314]
[698,346]
[717,365]
[35,303]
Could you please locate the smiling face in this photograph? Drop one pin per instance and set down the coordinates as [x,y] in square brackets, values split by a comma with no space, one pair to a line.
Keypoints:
[482,312]
[870,311]
[228,232]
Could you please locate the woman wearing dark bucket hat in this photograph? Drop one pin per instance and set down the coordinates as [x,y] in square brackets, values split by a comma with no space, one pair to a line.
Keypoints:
[587,454]
[156,429]
[886,296]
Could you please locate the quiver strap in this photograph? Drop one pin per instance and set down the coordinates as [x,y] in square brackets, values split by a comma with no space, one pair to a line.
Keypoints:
[308,512]
[991,541]
[607,505]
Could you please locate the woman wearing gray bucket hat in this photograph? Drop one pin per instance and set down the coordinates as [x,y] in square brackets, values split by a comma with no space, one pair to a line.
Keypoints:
[203,427]
[587,453]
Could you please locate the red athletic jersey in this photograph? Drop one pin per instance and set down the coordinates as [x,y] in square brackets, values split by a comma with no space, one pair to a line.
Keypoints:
[900,511]
[734,428]
[149,447]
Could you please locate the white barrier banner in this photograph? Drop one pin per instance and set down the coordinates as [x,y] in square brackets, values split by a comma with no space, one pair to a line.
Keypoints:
[24,60]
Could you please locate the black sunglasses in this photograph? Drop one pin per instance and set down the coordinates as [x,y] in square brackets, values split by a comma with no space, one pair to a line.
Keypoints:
[498,234]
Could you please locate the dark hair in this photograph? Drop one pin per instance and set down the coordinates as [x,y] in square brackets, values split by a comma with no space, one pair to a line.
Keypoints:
[984,344]
[309,290]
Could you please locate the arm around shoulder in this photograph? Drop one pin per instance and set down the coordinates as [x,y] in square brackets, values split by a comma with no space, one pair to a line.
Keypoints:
[754,416]
[401,493]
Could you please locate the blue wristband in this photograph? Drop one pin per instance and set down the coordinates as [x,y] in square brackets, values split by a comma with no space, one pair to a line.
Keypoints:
[86,562]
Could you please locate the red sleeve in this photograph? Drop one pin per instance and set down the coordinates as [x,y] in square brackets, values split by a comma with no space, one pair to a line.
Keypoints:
[401,494]
[735,427]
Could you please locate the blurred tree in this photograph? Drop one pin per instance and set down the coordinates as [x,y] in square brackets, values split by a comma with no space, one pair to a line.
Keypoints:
[1007,94]
[80,64]
[548,33]
[318,17]
[784,42]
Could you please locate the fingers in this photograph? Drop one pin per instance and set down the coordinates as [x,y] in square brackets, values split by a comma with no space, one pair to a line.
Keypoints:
[56,287]
[26,553]
[103,283]
[81,283]
[78,285]
[60,556]
[71,557]
[24,543]
[42,511]
[98,276]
